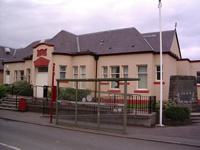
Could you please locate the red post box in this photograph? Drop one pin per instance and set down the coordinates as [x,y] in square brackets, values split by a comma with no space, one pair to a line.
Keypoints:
[22,104]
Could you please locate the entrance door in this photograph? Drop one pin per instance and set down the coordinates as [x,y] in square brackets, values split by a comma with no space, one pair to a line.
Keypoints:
[41,79]
[7,77]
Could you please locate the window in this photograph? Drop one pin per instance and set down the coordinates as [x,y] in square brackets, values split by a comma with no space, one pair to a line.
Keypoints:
[21,73]
[198,77]
[16,75]
[28,74]
[125,71]
[43,69]
[105,72]
[63,72]
[142,75]
[115,74]
[83,72]
[75,74]
[158,72]
[7,73]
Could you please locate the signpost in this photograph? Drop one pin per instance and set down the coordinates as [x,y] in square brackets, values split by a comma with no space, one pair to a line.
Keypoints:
[52,93]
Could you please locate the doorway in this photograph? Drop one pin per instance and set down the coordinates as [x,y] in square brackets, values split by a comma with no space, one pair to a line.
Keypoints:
[41,79]
[7,77]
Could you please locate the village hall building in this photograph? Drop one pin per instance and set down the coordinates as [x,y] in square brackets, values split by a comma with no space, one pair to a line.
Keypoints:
[117,53]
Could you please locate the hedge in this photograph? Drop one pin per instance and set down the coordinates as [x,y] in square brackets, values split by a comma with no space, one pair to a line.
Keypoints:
[178,113]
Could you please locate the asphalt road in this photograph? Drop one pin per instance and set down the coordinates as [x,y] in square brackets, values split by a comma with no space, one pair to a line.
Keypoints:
[24,136]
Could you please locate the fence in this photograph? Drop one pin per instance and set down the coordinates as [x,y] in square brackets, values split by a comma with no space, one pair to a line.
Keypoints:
[93,108]
[136,103]
[16,92]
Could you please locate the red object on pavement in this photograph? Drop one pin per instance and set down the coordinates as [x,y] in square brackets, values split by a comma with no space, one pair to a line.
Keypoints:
[22,104]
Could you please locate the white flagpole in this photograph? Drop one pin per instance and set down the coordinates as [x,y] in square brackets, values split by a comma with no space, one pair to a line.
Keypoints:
[161,67]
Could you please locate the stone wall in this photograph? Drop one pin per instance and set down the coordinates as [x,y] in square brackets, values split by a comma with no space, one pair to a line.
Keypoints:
[183,89]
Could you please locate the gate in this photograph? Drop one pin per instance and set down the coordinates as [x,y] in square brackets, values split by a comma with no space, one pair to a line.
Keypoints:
[92,107]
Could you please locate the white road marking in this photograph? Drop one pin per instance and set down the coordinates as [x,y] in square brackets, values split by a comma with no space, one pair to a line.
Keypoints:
[12,147]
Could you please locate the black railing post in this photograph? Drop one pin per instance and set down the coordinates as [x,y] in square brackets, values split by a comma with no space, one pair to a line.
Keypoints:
[35,94]
[16,101]
[136,106]
[12,90]
[154,103]
[149,104]
[43,107]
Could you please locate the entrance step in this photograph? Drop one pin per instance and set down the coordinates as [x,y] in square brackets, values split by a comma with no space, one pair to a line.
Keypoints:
[195,117]
[8,103]
[8,108]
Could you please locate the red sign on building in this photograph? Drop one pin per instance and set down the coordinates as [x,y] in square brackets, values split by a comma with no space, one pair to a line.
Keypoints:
[42,52]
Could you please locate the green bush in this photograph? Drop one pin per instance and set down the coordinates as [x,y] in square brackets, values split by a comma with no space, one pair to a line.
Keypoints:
[23,86]
[166,104]
[3,91]
[178,113]
[70,94]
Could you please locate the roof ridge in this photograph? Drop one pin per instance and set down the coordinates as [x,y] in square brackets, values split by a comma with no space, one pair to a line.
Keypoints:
[157,32]
[61,32]
[108,31]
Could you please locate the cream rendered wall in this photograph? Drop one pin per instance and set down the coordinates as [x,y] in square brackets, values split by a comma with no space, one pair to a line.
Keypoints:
[133,61]
[12,67]
[63,60]
[90,63]
[183,67]
[50,49]
[28,65]
[195,66]
[175,48]
[169,68]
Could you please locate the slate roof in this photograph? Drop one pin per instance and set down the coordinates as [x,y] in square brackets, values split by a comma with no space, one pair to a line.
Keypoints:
[114,42]
[120,41]
[5,56]
[64,42]
[154,40]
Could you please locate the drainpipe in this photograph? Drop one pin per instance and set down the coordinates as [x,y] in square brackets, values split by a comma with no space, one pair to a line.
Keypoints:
[96,57]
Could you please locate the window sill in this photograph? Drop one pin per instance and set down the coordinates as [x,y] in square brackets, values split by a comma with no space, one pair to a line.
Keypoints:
[122,83]
[114,91]
[158,82]
[141,91]
[104,83]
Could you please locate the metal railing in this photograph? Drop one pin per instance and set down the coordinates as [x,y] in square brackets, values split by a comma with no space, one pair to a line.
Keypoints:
[96,108]
[20,93]
[6,86]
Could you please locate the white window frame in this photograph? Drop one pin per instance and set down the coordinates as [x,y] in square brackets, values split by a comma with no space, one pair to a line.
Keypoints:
[112,74]
[83,76]
[142,73]
[125,74]
[158,72]
[16,75]
[63,72]
[104,74]
[75,75]
[28,74]
[21,77]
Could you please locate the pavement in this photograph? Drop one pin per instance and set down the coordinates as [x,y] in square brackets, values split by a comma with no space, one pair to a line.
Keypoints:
[183,135]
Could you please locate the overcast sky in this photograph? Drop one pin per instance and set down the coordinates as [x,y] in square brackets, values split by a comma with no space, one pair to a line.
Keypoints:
[25,21]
